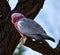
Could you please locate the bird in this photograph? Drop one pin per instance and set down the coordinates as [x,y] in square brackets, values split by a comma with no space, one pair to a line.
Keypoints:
[29,28]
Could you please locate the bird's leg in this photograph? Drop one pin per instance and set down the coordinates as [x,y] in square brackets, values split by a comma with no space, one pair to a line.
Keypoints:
[23,39]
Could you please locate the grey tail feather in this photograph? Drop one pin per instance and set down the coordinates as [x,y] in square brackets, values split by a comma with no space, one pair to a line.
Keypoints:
[45,36]
[48,38]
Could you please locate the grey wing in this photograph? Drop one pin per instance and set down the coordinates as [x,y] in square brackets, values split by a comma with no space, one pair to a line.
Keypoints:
[30,28]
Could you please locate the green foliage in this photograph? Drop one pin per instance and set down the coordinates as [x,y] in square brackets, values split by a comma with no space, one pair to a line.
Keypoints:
[20,49]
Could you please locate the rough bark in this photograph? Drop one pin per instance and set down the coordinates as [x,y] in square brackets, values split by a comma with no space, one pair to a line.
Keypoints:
[9,37]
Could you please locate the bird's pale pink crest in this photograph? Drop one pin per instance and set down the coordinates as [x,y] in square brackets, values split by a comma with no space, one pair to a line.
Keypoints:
[16,17]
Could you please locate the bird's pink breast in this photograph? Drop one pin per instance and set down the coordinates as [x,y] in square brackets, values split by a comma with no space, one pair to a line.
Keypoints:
[16,25]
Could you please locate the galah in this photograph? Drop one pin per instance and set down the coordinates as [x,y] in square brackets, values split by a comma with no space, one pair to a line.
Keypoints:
[28,28]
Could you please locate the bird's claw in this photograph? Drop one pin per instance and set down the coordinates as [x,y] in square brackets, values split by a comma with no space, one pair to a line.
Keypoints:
[23,40]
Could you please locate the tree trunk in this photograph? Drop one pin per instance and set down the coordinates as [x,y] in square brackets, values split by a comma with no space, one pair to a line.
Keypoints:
[9,37]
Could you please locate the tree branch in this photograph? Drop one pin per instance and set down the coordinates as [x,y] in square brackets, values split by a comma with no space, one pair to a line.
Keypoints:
[4,10]
[9,37]
[29,8]
[57,49]
[45,49]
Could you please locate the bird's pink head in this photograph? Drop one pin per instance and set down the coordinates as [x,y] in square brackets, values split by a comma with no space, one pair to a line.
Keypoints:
[16,17]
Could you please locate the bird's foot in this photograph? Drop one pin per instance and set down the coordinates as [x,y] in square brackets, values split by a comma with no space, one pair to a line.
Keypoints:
[23,40]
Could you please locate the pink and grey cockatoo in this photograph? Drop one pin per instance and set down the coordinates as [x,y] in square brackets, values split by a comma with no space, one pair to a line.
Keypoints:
[29,28]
